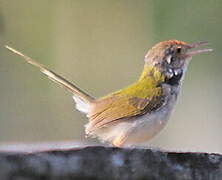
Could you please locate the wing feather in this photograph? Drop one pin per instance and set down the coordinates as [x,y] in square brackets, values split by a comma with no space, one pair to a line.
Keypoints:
[120,105]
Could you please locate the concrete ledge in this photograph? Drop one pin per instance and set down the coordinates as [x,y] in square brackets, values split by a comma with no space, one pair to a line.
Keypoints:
[109,163]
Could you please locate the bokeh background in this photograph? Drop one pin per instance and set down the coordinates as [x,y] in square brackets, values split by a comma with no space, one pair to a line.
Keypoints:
[100,45]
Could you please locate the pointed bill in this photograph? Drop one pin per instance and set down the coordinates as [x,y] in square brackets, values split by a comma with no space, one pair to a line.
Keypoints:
[198,44]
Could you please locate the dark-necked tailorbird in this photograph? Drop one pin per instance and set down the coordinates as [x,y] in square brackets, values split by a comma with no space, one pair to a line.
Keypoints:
[138,112]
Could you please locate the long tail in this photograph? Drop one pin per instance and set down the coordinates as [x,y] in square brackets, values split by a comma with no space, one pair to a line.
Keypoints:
[55,77]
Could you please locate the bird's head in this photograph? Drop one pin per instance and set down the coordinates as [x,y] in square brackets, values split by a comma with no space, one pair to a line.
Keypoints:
[172,57]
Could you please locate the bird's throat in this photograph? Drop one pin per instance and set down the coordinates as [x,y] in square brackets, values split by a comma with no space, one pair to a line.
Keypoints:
[175,79]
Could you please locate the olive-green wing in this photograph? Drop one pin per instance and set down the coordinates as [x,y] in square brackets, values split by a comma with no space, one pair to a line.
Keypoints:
[116,107]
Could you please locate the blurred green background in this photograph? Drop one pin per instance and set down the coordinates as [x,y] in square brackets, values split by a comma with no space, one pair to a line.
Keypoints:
[100,45]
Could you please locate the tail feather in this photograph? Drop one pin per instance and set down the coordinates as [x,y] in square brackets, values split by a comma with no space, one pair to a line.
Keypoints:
[82,99]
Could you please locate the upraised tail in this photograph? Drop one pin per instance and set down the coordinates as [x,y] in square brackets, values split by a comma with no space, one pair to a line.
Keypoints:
[82,99]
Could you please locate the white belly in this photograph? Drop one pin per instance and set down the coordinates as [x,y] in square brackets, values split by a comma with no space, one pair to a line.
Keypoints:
[147,126]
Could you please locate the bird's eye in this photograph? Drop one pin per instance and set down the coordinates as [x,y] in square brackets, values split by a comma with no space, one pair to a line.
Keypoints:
[178,50]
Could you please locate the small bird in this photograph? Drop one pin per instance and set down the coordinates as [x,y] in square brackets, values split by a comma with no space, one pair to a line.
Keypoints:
[138,112]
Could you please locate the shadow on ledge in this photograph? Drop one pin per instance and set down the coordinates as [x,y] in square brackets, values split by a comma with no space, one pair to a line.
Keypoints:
[110,163]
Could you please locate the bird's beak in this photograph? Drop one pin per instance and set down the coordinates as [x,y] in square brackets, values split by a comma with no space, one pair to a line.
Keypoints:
[195,45]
